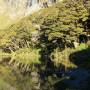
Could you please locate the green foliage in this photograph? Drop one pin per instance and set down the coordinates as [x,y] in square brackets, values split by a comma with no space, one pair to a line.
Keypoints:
[68,22]
[62,58]
[18,35]
[46,36]
[82,46]
[27,56]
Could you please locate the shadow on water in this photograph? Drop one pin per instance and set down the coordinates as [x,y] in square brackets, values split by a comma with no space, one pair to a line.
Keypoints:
[81,58]
[79,77]
[82,73]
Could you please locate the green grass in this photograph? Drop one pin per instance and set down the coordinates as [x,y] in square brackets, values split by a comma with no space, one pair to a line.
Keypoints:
[82,46]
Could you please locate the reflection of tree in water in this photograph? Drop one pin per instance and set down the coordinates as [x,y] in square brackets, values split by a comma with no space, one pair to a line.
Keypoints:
[73,77]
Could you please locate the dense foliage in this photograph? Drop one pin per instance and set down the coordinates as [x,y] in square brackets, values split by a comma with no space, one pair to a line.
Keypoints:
[41,45]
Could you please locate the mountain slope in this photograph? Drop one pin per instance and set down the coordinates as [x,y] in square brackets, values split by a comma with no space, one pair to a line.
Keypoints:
[11,10]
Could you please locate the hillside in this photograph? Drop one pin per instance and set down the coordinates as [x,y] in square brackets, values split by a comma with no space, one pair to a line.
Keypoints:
[48,49]
[13,10]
